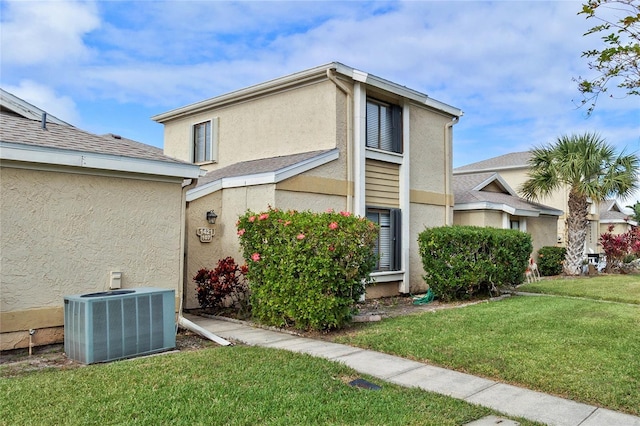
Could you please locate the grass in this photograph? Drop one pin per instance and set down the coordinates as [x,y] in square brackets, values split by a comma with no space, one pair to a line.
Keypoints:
[579,349]
[230,386]
[615,287]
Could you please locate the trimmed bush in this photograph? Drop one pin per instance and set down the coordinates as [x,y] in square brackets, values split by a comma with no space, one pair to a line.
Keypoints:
[306,270]
[462,260]
[550,260]
[224,286]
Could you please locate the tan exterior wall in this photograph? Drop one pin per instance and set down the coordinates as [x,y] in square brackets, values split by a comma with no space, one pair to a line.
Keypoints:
[63,233]
[427,150]
[422,216]
[283,123]
[229,204]
[492,218]
[618,228]
[542,230]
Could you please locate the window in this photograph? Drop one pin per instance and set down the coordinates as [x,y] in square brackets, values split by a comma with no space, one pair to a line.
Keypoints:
[384,126]
[204,138]
[388,247]
[515,224]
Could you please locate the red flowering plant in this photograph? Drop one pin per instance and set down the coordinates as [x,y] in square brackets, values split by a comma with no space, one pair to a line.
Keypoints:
[620,248]
[223,287]
[306,269]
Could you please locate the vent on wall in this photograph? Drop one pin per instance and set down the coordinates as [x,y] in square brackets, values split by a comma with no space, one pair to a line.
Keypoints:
[111,325]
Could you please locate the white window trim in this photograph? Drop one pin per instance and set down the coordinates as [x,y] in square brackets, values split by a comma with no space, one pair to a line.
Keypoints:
[387,276]
[213,141]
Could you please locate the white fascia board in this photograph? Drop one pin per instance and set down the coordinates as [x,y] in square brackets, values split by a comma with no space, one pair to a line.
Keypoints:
[91,160]
[392,87]
[630,222]
[495,206]
[496,177]
[263,178]
[306,165]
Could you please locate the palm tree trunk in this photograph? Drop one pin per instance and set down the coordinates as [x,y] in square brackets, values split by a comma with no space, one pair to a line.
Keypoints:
[577,224]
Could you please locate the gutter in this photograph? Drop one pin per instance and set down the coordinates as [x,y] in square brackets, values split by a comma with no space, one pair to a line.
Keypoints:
[448,169]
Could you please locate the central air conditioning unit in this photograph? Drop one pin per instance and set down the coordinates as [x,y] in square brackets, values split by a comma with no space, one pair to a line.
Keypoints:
[112,325]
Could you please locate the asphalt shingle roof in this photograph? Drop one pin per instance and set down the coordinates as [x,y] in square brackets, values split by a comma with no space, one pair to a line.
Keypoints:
[514,159]
[263,165]
[464,193]
[20,130]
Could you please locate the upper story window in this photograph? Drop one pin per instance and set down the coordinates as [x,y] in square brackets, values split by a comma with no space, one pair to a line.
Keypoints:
[384,126]
[203,142]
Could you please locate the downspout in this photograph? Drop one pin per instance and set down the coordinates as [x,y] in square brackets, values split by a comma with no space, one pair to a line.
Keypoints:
[349,154]
[448,169]
[182,321]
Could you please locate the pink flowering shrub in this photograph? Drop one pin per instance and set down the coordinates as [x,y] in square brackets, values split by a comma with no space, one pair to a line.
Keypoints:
[620,247]
[306,270]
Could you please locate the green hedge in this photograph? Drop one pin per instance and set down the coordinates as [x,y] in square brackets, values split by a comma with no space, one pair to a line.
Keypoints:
[461,260]
[550,260]
[306,270]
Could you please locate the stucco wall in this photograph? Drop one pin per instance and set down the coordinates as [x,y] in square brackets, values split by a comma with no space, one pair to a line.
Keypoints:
[427,150]
[543,231]
[422,217]
[284,123]
[63,233]
[229,204]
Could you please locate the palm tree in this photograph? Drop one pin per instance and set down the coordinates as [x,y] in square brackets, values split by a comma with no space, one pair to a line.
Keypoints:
[636,211]
[592,172]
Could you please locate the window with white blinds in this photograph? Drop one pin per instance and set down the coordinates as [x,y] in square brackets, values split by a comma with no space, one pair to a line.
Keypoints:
[202,142]
[387,247]
[384,126]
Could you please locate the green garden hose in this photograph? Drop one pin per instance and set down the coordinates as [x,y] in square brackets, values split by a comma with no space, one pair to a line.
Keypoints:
[427,298]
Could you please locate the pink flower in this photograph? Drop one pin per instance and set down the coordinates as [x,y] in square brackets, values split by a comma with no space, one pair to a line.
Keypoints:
[252,218]
[255,257]
[300,236]
[241,232]
[332,248]
[333,225]
[287,223]
[345,214]
[237,222]
[263,216]
[329,210]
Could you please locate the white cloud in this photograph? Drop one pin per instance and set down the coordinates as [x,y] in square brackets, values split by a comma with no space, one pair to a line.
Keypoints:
[45,32]
[46,99]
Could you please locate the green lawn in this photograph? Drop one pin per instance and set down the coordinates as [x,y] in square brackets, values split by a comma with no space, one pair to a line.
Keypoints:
[614,287]
[221,385]
[579,349]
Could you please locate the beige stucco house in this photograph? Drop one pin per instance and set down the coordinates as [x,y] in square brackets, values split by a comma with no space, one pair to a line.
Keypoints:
[330,137]
[611,213]
[80,213]
[513,168]
[486,199]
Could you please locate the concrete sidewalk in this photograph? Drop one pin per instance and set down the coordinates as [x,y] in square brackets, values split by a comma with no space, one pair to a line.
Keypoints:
[508,399]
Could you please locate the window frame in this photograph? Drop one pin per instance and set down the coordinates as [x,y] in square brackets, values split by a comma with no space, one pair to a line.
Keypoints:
[395,237]
[395,126]
[210,140]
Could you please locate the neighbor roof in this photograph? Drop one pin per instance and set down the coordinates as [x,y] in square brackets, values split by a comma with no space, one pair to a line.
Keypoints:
[23,139]
[610,212]
[470,194]
[514,160]
[12,103]
[303,77]
[259,172]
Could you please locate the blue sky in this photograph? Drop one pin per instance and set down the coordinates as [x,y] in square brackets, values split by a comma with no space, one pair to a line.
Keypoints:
[108,66]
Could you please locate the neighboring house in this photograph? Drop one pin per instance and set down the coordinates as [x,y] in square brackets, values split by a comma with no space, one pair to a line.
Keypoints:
[513,169]
[331,137]
[485,199]
[612,214]
[80,213]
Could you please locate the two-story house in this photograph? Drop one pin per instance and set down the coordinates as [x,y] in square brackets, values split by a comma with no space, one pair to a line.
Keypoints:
[330,137]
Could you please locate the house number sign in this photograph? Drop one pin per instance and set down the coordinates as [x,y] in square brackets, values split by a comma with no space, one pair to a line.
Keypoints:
[205,234]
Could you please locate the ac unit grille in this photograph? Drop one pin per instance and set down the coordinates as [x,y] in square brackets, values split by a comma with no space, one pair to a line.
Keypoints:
[109,327]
